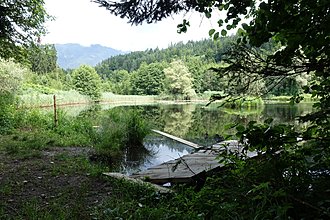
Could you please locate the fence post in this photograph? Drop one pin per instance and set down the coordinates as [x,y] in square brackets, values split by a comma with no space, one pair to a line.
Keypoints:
[55,112]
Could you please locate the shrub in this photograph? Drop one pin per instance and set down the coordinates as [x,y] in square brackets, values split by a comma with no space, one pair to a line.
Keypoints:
[11,76]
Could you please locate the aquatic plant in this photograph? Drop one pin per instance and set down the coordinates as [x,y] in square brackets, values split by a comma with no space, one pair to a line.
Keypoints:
[120,130]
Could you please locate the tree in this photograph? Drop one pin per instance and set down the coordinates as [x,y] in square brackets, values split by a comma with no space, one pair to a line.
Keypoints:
[118,82]
[148,79]
[87,81]
[291,179]
[42,58]
[178,80]
[21,23]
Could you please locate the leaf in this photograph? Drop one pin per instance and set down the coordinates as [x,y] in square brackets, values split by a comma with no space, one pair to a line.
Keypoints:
[245,26]
[223,32]
[240,32]
[220,22]
[208,14]
[211,32]
[216,36]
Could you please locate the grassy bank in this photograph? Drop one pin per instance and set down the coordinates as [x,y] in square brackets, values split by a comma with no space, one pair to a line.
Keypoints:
[307,98]
[44,98]
[37,99]
[46,170]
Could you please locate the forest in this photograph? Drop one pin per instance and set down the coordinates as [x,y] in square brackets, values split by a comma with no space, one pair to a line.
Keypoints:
[53,161]
[181,71]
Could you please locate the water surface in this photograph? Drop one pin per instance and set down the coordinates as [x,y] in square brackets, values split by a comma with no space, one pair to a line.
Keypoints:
[199,124]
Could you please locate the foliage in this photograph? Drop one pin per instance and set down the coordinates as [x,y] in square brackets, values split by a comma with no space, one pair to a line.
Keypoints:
[116,99]
[289,178]
[203,50]
[33,129]
[87,81]
[203,59]
[57,79]
[6,112]
[11,76]
[35,96]
[148,79]
[42,58]
[22,22]
[121,130]
[117,82]
[178,80]
[243,102]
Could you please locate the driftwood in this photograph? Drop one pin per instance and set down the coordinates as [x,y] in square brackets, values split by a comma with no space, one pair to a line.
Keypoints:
[158,188]
[180,140]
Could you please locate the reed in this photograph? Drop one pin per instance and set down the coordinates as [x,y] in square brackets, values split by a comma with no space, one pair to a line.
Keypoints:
[120,130]
[114,98]
[37,99]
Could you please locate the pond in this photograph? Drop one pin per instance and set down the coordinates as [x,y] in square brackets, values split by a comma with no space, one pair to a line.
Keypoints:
[199,124]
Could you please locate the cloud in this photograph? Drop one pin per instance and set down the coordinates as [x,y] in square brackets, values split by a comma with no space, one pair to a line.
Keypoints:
[84,22]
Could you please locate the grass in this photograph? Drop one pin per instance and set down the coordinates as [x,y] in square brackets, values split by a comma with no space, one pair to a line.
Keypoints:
[66,185]
[120,131]
[37,99]
[113,98]
[307,98]
[46,173]
[247,102]
[46,170]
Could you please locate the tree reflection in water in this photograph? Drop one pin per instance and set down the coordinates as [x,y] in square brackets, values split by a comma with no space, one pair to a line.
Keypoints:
[156,150]
[198,124]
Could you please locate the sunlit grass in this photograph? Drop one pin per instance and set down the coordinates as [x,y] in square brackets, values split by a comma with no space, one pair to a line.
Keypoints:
[284,98]
[110,97]
[35,99]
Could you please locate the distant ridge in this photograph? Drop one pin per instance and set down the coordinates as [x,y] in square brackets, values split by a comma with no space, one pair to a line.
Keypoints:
[70,56]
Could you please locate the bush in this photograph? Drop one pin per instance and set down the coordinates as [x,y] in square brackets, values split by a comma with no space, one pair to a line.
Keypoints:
[11,76]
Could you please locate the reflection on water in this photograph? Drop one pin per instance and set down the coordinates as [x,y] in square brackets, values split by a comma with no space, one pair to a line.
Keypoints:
[199,124]
[157,150]
[193,122]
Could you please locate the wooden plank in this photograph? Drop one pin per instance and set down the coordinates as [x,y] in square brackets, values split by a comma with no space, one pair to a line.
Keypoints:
[188,167]
[188,143]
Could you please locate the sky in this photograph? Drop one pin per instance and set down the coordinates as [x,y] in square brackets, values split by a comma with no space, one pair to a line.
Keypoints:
[84,22]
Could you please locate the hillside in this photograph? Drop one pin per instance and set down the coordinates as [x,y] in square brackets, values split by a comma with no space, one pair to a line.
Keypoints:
[71,56]
[206,49]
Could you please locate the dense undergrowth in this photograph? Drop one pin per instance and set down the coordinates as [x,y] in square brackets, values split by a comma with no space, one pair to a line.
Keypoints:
[107,133]
[284,182]
[247,189]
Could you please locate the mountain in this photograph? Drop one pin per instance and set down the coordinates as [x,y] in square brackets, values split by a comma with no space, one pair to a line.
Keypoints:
[70,56]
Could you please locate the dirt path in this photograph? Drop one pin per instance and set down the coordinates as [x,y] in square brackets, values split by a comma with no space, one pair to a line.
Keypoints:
[57,180]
